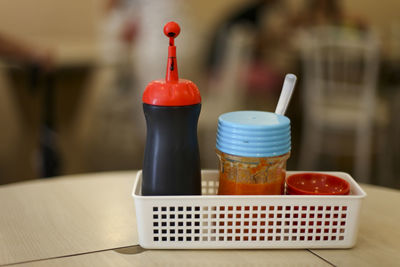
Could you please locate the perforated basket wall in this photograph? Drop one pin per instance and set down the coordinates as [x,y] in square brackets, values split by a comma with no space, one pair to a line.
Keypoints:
[212,221]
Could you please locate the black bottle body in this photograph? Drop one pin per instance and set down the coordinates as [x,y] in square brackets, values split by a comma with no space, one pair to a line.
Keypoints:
[171,159]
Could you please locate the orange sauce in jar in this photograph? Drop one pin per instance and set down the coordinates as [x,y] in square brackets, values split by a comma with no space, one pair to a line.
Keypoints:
[251,176]
[228,187]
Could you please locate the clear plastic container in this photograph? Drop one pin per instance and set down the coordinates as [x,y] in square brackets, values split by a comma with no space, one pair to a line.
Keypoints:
[251,175]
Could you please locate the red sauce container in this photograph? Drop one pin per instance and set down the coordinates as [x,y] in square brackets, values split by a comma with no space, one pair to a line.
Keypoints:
[316,184]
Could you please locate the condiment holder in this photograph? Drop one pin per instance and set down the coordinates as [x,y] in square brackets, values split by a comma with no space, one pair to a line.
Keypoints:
[212,221]
[253,148]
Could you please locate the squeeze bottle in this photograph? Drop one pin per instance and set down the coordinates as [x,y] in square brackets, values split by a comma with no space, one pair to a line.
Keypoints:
[171,108]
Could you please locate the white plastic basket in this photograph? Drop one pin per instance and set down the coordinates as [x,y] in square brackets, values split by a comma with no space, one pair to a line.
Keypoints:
[228,222]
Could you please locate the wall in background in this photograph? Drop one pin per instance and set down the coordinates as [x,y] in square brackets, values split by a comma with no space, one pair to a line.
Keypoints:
[75,23]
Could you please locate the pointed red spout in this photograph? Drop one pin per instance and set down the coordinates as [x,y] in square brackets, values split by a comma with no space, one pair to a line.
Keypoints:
[172,30]
[173,91]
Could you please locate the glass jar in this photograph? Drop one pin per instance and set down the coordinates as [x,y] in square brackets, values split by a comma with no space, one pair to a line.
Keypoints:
[252,147]
[251,175]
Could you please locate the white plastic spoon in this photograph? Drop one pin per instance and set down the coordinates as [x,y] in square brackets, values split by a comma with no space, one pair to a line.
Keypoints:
[286,94]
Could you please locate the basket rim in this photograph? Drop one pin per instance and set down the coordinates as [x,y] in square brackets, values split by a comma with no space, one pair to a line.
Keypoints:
[358,192]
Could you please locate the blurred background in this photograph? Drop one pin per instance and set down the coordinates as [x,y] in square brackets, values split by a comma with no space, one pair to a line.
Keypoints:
[72,74]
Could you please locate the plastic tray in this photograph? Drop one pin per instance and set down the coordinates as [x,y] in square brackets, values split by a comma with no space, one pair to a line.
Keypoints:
[211,221]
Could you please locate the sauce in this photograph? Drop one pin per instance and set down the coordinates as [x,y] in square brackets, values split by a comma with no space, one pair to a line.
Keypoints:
[251,176]
[228,187]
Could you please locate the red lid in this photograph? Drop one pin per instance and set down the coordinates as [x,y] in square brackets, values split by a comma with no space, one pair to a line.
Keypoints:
[316,184]
[172,91]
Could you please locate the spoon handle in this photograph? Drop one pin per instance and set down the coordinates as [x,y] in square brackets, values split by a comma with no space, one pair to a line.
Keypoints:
[286,94]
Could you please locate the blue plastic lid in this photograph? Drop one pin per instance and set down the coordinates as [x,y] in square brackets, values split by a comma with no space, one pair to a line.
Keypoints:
[253,134]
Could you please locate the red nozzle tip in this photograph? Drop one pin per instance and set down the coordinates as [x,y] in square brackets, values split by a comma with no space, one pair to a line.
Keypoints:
[172,29]
[172,91]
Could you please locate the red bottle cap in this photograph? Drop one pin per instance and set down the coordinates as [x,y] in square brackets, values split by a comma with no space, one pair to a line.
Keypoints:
[172,91]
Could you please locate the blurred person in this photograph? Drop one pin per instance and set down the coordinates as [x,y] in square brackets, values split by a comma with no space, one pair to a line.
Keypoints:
[321,12]
[265,20]
[325,13]
[118,30]
[250,15]
[108,123]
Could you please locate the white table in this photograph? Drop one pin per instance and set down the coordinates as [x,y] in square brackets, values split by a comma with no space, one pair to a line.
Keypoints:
[89,220]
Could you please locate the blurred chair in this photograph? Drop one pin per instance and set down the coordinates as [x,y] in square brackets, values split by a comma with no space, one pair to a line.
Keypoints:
[340,69]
